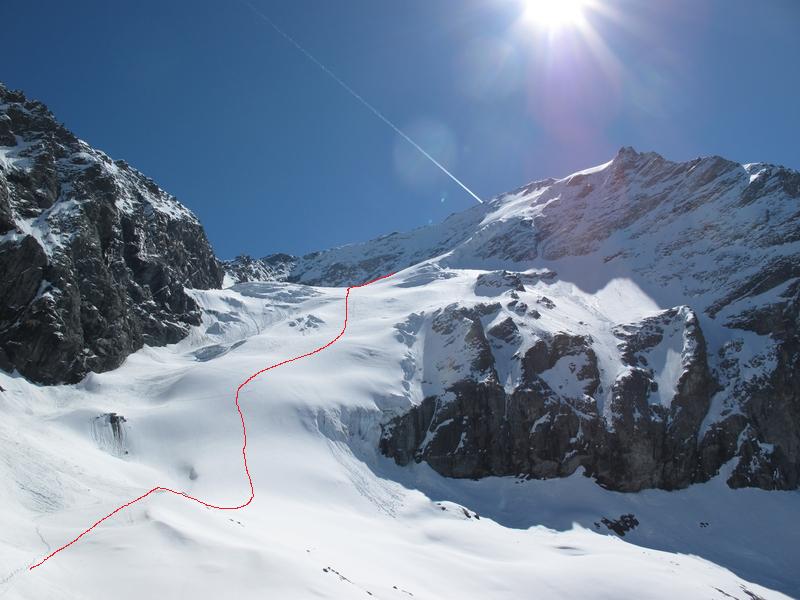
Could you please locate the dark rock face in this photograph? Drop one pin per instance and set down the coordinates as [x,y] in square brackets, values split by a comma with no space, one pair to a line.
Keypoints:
[646,431]
[94,256]
[620,526]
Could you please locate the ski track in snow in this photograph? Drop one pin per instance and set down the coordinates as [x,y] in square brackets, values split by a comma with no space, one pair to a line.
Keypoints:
[244,444]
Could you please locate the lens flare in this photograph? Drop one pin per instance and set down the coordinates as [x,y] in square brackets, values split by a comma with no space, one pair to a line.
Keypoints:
[554,14]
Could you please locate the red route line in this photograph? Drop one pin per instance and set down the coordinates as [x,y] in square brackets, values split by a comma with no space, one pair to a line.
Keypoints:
[244,433]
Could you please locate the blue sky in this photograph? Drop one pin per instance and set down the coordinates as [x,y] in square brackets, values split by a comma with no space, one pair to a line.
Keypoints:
[273,156]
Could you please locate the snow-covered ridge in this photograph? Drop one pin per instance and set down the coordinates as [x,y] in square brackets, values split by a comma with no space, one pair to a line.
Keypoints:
[703,229]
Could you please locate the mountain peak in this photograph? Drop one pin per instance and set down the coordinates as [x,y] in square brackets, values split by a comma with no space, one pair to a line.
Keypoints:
[78,229]
[627,155]
[627,151]
[18,97]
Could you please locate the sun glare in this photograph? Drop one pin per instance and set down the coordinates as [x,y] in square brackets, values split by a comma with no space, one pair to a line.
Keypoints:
[555,14]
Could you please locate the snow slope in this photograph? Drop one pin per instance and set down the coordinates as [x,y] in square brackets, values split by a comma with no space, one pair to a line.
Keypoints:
[331,517]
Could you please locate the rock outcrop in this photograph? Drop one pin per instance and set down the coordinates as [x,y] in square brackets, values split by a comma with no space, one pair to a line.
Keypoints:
[557,417]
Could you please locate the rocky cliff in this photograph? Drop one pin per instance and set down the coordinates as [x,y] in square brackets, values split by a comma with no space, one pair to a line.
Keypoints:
[94,256]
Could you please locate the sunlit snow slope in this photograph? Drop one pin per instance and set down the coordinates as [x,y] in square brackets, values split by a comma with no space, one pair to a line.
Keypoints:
[332,518]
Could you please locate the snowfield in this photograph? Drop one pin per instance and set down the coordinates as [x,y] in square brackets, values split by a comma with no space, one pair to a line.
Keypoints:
[332,518]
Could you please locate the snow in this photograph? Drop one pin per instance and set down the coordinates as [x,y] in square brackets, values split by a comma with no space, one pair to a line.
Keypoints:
[666,360]
[11,236]
[331,517]
[45,287]
[755,170]
[540,421]
[562,377]
[592,170]
[15,157]
[228,281]
[667,377]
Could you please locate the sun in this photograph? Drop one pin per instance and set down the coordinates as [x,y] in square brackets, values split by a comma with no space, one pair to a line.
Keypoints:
[555,14]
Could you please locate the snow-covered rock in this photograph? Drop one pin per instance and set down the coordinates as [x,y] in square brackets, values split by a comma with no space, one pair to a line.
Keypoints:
[520,399]
[94,256]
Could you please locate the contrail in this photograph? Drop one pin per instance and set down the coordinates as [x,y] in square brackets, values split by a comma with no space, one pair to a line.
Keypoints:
[359,97]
